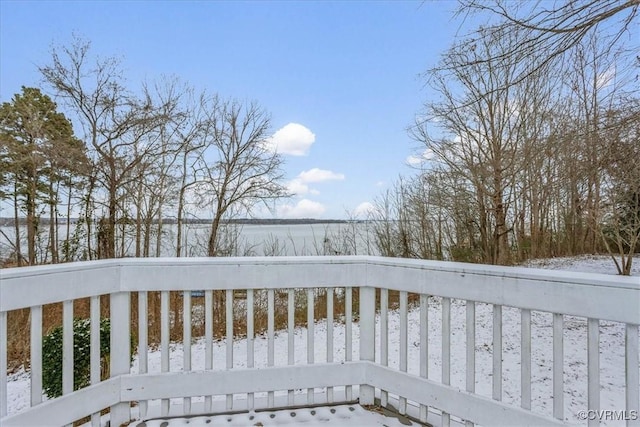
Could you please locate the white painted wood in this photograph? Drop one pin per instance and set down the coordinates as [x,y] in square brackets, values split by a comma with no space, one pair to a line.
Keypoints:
[615,298]
[402,405]
[95,352]
[424,348]
[603,297]
[3,364]
[478,409]
[330,327]
[270,337]
[68,408]
[446,352]
[178,384]
[525,359]
[310,337]
[67,347]
[164,343]
[186,343]
[470,308]
[348,354]
[250,342]
[593,367]
[558,366]
[229,333]
[48,284]
[208,339]
[120,360]
[384,338]
[497,353]
[290,335]
[36,355]
[143,340]
[367,338]
[632,381]
[586,295]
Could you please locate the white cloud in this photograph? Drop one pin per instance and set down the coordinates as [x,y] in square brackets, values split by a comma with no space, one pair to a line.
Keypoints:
[416,160]
[299,185]
[296,186]
[293,139]
[319,175]
[305,208]
[363,210]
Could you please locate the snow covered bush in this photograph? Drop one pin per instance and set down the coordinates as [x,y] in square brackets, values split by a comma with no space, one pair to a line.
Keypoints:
[52,356]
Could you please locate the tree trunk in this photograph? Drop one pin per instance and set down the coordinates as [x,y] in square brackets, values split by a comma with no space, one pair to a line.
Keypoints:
[16,223]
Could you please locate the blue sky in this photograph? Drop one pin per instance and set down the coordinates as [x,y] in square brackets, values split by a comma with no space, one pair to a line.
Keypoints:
[346,71]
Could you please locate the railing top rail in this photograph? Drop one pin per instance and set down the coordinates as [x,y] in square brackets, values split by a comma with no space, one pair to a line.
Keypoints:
[594,279]
[600,296]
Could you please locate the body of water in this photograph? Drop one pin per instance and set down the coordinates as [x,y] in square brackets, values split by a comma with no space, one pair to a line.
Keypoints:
[241,240]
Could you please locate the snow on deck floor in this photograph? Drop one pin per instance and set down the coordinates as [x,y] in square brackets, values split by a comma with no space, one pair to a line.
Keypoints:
[354,415]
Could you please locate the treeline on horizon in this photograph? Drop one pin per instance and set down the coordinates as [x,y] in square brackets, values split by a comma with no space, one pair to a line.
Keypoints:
[11,222]
[529,148]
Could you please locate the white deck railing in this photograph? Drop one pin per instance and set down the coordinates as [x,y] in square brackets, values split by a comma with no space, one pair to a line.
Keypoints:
[387,356]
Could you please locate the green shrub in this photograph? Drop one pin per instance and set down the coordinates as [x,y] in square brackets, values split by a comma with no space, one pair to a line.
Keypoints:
[52,356]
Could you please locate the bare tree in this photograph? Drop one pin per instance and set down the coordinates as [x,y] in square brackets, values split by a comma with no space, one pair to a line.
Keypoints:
[620,217]
[114,122]
[478,132]
[243,171]
[549,30]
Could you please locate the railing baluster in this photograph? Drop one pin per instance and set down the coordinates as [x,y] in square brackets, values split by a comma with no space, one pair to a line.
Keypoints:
[164,344]
[424,347]
[208,339]
[36,355]
[525,359]
[402,403]
[67,347]
[229,323]
[558,366]
[290,336]
[471,349]
[250,342]
[384,339]
[367,345]
[330,337]
[186,343]
[270,336]
[497,352]
[593,366]
[632,380]
[120,341]
[95,351]
[3,364]
[348,315]
[446,351]
[143,339]
[310,337]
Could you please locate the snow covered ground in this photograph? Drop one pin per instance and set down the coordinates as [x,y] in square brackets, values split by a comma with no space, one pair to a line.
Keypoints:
[575,355]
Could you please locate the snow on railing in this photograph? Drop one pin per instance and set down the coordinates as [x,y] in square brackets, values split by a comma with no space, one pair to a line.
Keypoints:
[441,342]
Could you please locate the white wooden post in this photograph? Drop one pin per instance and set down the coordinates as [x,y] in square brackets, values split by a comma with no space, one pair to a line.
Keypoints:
[3,364]
[631,372]
[36,355]
[120,350]
[367,338]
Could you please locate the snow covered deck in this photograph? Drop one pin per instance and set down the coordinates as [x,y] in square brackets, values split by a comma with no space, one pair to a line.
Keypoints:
[437,342]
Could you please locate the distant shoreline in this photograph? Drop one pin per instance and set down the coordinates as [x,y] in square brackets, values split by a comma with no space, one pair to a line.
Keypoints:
[9,222]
